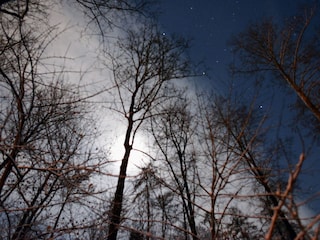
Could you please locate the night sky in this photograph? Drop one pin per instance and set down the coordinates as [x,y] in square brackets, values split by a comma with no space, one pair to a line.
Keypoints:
[210,24]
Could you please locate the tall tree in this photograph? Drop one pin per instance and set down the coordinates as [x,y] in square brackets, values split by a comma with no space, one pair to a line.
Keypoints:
[290,52]
[143,65]
[244,128]
[42,156]
[144,191]
[220,168]
[173,132]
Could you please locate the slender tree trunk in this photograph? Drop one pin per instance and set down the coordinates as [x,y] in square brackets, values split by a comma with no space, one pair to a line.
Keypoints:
[188,207]
[148,210]
[116,208]
[261,178]
[288,229]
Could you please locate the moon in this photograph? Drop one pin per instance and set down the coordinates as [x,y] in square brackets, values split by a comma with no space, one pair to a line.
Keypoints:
[138,156]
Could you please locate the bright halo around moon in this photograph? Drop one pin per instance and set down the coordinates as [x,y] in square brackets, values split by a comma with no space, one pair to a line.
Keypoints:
[137,159]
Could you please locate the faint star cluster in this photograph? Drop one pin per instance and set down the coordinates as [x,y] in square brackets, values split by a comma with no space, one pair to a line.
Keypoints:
[210,24]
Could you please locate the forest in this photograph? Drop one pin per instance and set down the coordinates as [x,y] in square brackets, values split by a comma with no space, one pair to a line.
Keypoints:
[104,135]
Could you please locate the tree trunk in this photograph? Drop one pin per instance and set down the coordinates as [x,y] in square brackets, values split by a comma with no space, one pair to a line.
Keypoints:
[116,208]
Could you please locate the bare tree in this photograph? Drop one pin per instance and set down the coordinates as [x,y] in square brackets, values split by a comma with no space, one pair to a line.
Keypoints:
[143,65]
[220,173]
[152,192]
[245,130]
[290,52]
[200,165]
[44,159]
[145,191]
[173,132]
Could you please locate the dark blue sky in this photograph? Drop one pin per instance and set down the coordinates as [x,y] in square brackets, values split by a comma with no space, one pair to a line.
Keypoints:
[210,25]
